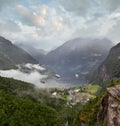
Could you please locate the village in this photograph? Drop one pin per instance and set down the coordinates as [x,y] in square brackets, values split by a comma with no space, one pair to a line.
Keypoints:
[81,94]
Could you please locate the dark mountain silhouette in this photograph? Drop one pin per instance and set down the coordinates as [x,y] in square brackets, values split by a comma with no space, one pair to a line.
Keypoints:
[10,55]
[110,68]
[38,54]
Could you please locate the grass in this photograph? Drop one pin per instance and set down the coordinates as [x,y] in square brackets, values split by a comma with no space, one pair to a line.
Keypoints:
[84,95]
[92,88]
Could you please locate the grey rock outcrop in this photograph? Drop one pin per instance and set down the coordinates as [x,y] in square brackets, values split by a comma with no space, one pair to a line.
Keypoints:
[109,111]
[113,113]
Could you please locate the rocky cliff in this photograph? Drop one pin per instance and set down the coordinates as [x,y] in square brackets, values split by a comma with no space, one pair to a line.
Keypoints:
[104,110]
[113,113]
[110,68]
[109,112]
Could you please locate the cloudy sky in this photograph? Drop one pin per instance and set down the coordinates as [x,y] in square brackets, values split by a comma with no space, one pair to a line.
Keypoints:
[48,23]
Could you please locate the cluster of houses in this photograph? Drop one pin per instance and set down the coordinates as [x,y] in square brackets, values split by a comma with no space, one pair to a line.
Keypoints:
[74,96]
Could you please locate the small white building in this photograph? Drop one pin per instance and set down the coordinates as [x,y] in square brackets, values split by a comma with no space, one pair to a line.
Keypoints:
[54,93]
[77,90]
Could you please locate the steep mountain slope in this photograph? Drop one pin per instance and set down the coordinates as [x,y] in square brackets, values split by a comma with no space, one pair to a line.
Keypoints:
[23,112]
[24,105]
[103,110]
[38,54]
[110,68]
[80,56]
[10,55]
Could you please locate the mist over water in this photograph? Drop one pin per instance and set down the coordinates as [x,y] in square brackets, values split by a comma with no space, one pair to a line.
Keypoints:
[34,76]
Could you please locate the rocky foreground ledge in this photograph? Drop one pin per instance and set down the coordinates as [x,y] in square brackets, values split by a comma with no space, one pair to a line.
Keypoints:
[114,91]
[113,114]
[109,112]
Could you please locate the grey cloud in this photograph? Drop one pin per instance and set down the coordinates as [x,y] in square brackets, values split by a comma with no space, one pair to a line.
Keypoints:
[77,6]
[111,5]
[72,18]
[9,26]
[114,33]
[27,17]
[6,3]
[87,32]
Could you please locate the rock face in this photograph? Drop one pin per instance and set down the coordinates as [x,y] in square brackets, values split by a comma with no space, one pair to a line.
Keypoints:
[104,74]
[113,113]
[110,68]
[109,112]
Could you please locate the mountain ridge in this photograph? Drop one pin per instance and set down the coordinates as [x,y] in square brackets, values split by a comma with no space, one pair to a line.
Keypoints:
[78,56]
[110,67]
[11,55]
[38,54]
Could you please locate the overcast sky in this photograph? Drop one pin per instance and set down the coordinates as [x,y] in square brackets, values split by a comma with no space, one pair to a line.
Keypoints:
[48,23]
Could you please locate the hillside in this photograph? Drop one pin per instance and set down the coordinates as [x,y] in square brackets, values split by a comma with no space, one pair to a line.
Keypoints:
[21,104]
[103,110]
[110,68]
[79,56]
[20,98]
[23,95]
[17,111]
[10,55]
[38,54]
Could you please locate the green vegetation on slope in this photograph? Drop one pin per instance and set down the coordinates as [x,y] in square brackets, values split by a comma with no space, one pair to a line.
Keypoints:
[89,113]
[20,106]
[24,92]
[16,111]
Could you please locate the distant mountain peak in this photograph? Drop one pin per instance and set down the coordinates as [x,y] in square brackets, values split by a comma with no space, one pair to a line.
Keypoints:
[79,55]
[4,40]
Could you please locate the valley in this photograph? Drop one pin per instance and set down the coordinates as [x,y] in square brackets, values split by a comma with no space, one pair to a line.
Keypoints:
[59,63]
[73,68]
[70,88]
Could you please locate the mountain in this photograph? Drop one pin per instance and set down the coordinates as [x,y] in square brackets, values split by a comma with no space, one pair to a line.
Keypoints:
[11,55]
[110,68]
[24,105]
[78,57]
[38,54]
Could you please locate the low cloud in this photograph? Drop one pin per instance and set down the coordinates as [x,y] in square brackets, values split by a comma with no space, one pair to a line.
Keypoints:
[33,76]
[9,26]
[110,24]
